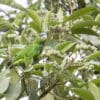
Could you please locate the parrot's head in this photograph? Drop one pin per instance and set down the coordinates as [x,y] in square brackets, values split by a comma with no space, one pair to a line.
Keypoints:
[42,38]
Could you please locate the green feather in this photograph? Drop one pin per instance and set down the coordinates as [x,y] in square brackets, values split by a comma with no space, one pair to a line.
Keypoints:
[30,51]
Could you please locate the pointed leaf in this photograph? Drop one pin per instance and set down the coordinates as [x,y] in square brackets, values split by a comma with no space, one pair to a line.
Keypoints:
[49,67]
[5,25]
[38,66]
[36,27]
[46,21]
[14,89]
[4,81]
[19,19]
[65,46]
[87,17]
[6,1]
[36,5]
[97,18]
[77,14]
[54,22]
[96,81]
[34,17]
[83,30]
[94,90]
[93,56]
[83,93]
[60,15]
[12,3]
[87,23]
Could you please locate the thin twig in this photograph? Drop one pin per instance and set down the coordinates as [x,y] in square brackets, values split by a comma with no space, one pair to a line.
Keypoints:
[48,90]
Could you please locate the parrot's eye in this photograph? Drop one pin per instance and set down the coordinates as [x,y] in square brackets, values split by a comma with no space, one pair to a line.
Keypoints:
[43,35]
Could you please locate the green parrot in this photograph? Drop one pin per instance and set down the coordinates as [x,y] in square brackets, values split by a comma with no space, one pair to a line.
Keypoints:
[31,51]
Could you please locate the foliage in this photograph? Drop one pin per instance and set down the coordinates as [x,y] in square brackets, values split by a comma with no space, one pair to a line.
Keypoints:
[68,66]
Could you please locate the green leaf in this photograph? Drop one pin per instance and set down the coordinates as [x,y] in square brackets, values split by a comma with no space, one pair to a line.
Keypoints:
[83,93]
[38,66]
[77,14]
[97,18]
[14,89]
[36,27]
[4,81]
[37,72]
[96,67]
[36,5]
[34,70]
[54,22]
[82,30]
[46,21]
[64,62]
[94,90]
[5,25]
[98,1]
[49,68]
[36,19]
[19,19]
[93,56]
[87,23]
[12,3]
[96,81]
[87,17]
[6,1]
[65,46]
[60,15]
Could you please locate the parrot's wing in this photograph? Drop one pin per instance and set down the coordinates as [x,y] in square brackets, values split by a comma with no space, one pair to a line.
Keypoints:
[21,54]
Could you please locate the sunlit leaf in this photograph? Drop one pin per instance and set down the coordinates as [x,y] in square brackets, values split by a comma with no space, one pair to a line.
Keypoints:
[35,17]
[60,15]
[87,23]
[14,89]
[97,18]
[87,17]
[34,70]
[5,25]
[36,27]
[46,21]
[12,3]
[93,56]
[4,81]
[53,22]
[94,90]
[38,66]
[96,81]
[83,30]
[36,5]
[49,68]
[83,93]
[77,14]
[6,1]
[19,19]
[65,46]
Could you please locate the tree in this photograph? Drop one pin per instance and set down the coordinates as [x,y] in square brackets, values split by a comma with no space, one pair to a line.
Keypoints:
[68,67]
